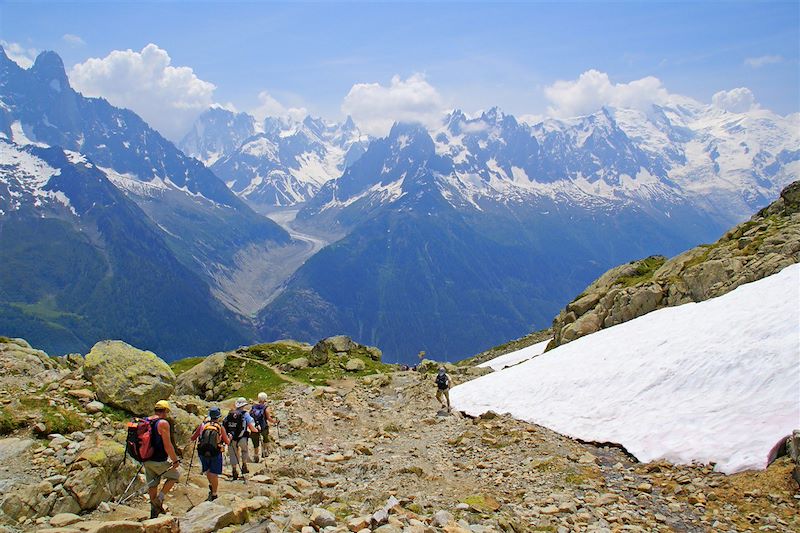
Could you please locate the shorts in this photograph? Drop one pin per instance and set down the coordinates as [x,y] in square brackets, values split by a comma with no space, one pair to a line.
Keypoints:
[211,464]
[155,470]
[260,436]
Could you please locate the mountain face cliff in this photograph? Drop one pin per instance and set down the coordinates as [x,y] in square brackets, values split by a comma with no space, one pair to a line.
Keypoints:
[201,220]
[760,247]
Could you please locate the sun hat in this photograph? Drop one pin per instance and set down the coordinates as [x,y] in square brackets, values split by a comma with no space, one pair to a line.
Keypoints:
[240,402]
[162,405]
[214,412]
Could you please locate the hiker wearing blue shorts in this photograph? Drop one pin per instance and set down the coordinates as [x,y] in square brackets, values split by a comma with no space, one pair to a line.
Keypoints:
[211,437]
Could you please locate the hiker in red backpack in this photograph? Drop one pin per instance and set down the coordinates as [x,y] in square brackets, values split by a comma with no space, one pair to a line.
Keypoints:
[163,462]
[262,418]
[211,437]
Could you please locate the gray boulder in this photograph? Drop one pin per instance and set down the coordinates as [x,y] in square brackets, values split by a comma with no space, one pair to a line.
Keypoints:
[23,365]
[128,378]
[201,379]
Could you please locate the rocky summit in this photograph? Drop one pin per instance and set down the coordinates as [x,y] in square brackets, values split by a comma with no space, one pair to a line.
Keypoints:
[359,447]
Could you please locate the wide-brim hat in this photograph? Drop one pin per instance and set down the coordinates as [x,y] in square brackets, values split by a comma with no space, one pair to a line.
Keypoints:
[240,402]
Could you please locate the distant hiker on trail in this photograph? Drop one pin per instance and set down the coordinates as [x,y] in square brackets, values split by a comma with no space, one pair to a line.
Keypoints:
[211,438]
[443,382]
[262,418]
[164,462]
[239,424]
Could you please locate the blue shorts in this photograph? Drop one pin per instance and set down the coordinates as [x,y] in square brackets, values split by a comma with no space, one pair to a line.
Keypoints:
[212,464]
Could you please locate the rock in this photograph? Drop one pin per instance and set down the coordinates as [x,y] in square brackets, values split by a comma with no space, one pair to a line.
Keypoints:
[587,459]
[94,407]
[118,526]
[296,522]
[64,519]
[197,379]
[355,365]
[482,503]
[359,523]
[298,363]
[162,524]
[441,518]
[128,378]
[645,487]
[81,394]
[321,518]
[206,517]
[23,366]
[374,353]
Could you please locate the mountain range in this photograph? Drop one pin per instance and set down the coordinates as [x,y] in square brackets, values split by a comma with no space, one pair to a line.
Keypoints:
[447,240]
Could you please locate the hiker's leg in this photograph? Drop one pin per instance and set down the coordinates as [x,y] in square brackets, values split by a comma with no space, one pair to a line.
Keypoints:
[234,460]
[447,397]
[173,475]
[213,482]
[439,397]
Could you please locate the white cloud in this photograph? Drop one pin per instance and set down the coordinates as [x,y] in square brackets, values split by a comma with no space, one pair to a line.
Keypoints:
[593,90]
[531,119]
[22,56]
[168,98]
[739,100]
[758,62]
[73,40]
[269,107]
[375,107]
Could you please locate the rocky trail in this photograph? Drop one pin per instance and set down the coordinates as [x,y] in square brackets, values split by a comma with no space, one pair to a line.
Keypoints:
[361,453]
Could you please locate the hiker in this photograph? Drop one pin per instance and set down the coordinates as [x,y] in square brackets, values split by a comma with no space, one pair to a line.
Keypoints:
[164,462]
[239,424]
[211,438]
[262,418]
[443,382]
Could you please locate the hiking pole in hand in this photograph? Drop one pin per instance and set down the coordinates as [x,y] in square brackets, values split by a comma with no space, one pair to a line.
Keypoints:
[191,460]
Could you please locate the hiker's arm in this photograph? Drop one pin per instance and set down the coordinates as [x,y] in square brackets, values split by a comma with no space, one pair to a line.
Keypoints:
[166,438]
[271,419]
[197,432]
[225,437]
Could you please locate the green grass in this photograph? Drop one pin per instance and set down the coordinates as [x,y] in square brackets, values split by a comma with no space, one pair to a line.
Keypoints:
[8,422]
[182,365]
[644,271]
[256,378]
[56,419]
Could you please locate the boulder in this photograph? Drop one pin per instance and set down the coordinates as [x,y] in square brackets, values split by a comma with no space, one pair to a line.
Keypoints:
[64,519]
[207,517]
[118,526]
[23,365]
[128,378]
[322,518]
[299,363]
[203,376]
[355,365]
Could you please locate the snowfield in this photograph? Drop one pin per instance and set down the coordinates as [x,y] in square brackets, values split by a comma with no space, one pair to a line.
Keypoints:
[710,382]
[513,358]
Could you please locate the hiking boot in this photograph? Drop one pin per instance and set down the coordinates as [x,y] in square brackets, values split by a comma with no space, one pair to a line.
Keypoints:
[235,475]
[211,497]
[256,454]
[264,454]
[244,469]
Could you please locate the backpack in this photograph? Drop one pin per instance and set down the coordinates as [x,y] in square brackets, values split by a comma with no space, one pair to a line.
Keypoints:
[234,425]
[139,442]
[208,443]
[441,381]
[258,412]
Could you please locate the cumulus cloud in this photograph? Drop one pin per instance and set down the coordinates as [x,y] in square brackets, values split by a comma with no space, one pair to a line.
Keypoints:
[739,100]
[17,53]
[73,40]
[268,106]
[758,62]
[168,98]
[593,90]
[375,107]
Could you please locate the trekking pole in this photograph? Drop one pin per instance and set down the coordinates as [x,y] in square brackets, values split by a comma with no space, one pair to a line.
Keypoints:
[134,478]
[191,460]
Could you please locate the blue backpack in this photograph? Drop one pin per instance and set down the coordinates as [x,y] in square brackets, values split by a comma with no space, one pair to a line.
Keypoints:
[258,412]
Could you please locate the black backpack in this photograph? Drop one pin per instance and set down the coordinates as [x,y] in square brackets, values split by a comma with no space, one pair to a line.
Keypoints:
[441,381]
[208,443]
[234,425]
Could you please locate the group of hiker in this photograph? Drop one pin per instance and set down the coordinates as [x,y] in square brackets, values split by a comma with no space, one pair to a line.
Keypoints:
[152,442]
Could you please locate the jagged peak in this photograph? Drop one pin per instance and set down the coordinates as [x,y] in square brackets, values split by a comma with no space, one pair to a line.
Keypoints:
[49,67]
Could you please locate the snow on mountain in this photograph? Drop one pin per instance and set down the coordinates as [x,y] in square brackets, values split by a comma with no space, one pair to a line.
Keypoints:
[709,382]
[23,178]
[284,163]
[514,358]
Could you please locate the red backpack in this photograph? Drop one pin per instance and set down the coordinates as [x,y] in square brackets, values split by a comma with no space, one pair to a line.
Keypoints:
[139,441]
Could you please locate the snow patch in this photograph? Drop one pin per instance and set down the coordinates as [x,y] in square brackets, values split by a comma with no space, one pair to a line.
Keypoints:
[709,382]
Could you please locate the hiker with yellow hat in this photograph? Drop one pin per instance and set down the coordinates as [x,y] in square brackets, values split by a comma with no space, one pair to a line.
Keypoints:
[163,462]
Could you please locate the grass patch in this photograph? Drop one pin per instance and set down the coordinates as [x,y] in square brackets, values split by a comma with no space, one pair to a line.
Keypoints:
[253,376]
[55,419]
[182,365]
[8,422]
[116,414]
[644,271]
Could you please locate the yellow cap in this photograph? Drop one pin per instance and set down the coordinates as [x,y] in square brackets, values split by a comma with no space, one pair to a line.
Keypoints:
[162,404]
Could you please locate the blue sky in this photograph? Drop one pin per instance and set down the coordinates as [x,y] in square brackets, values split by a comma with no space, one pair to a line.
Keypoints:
[474,55]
